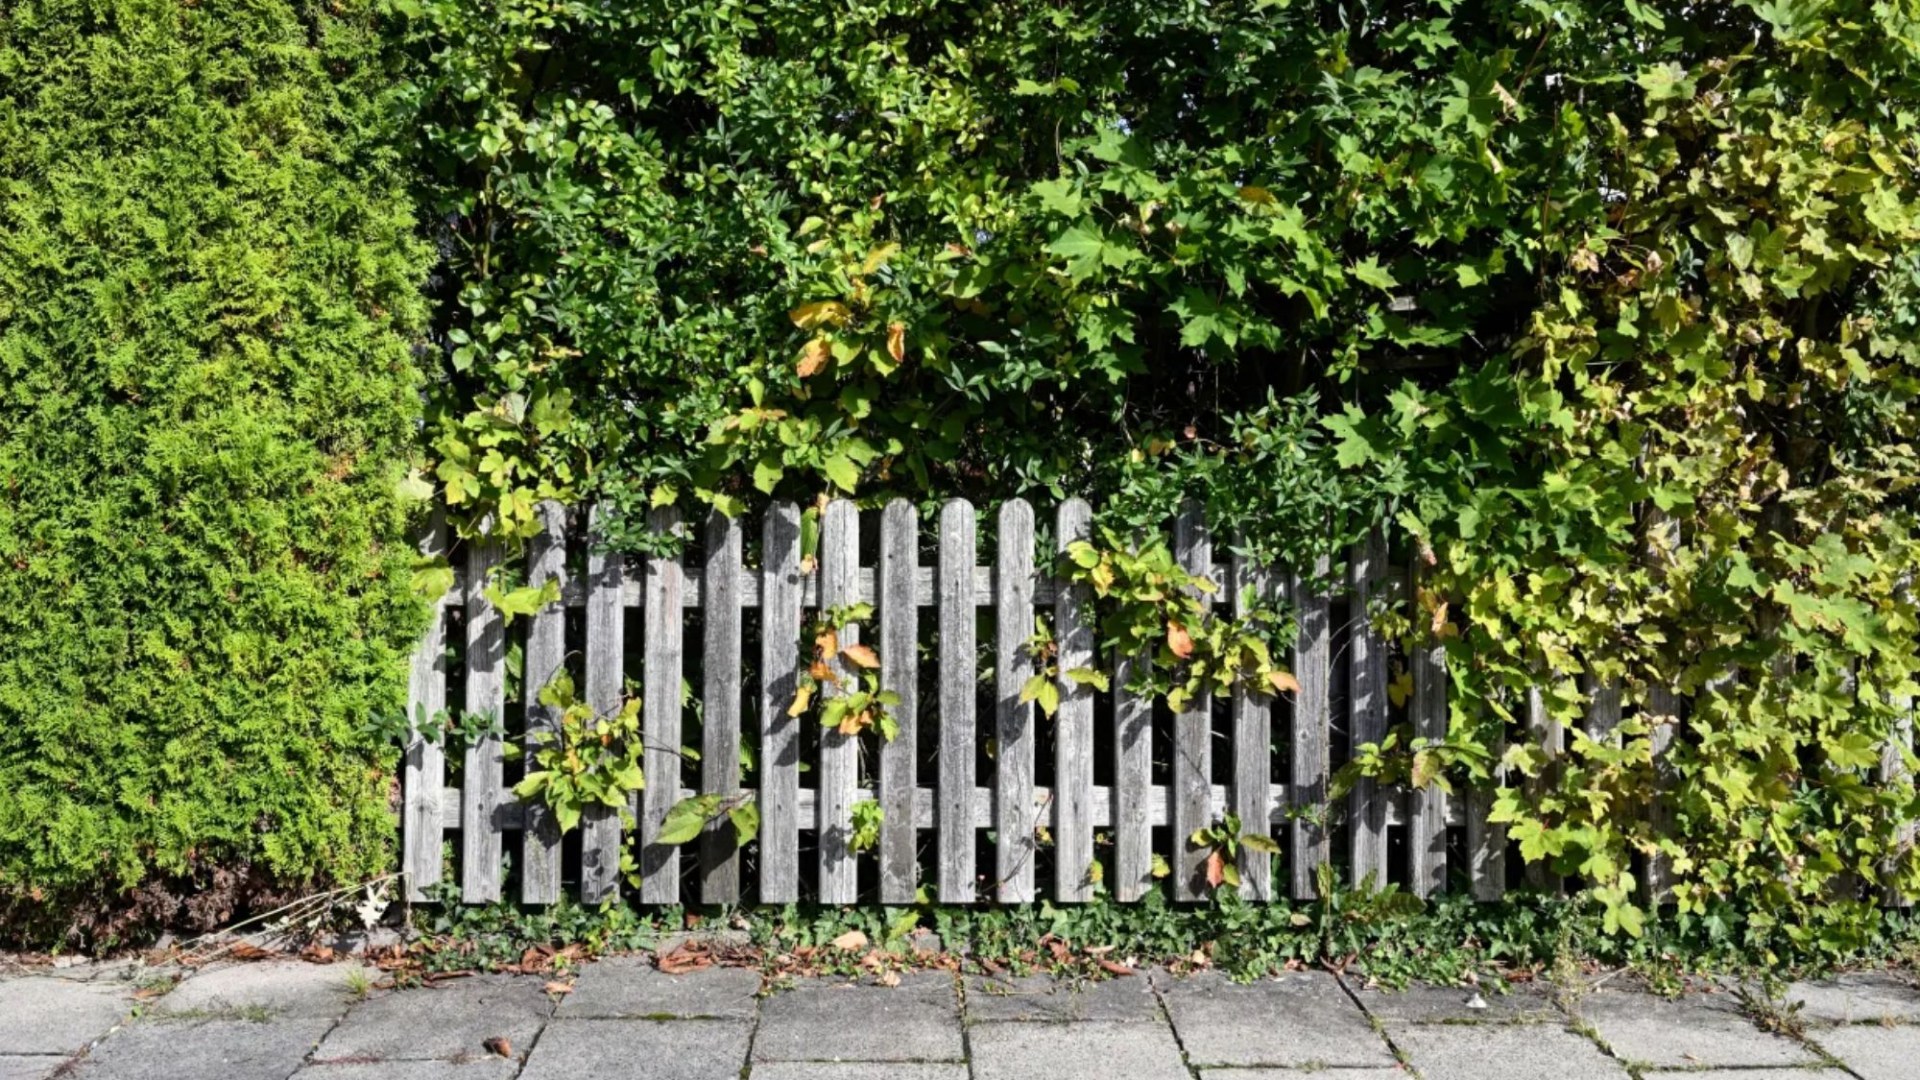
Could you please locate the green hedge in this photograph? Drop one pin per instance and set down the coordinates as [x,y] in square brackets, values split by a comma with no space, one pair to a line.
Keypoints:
[208,282]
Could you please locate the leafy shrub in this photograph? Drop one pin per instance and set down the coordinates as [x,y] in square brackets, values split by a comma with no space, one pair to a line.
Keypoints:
[1607,309]
[208,280]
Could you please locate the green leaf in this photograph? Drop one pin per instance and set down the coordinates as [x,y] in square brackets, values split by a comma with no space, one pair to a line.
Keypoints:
[1370,272]
[687,817]
[842,471]
[746,822]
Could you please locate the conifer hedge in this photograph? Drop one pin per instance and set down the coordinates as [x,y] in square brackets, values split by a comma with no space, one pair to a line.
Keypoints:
[208,284]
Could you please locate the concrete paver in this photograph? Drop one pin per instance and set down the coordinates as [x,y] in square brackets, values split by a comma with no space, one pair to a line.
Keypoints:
[1455,1004]
[453,1020]
[1502,1052]
[482,1068]
[631,987]
[198,1050]
[29,1066]
[46,1015]
[1042,997]
[640,1050]
[919,1020]
[1086,1050]
[1688,1032]
[1858,997]
[280,987]
[858,1070]
[1872,1051]
[1298,1019]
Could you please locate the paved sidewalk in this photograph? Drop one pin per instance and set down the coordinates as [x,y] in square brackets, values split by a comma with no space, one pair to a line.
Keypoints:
[276,1020]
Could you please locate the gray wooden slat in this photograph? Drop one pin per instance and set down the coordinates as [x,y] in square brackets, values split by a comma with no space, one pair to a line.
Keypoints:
[1662,709]
[839,754]
[660,713]
[606,650]
[1427,806]
[779,766]
[720,730]
[1073,722]
[1013,764]
[1894,771]
[958,678]
[1192,732]
[1247,586]
[1603,708]
[1486,840]
[545,656]
[1312,722]
[899,673]
[1367,702]
[1134,796]
[426,767]
[484,771]
[1544,731]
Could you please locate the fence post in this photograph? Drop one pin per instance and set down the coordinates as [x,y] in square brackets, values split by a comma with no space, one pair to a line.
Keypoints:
[545,657]
[660,712]
[483,776]
[779,780]
[720,730]
[606,648]
[1073,722]
[899,673]
[1312,719]
[426,769]
[1013,764]
[958,677]
[839,754]
[1247,586]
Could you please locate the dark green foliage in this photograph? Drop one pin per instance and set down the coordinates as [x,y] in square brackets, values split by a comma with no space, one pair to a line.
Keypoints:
[207,285]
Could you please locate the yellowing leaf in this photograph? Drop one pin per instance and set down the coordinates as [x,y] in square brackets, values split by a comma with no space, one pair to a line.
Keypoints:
[1283,682]
[1400,689]
[820,313]
[897,341]
[862,655]
[852,939]
[1259,196]
[801,700]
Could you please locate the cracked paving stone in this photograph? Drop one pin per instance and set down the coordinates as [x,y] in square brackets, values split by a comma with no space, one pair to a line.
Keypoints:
[199,1050]
[1297,1019]
[919,1020]
[485,1068]
[1395,1073]
[29,1066]
[1045,998]
[451,1020]
[44,1015]
[1694,1031]
[1503,1052]
[859,1070]
[640,1050]
[1084,1050]
[630,987]
[1874,1051]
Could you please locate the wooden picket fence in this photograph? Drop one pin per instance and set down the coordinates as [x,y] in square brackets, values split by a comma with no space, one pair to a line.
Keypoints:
[937,817]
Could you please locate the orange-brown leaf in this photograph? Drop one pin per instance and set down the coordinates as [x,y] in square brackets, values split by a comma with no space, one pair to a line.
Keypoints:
[813,359]
[1439,616]
[1179,641]
[862,655]
[1283,682]
[897,341]
[826,643]
[1216,869]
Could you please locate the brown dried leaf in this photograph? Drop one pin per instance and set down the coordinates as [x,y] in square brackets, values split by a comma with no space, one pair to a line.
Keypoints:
[862,655]
[1283,682]
[1113,968]
[558,987]
[813,358]
[852,939]
[1216,869]
[1178,640]
[498,1044]
[826,643]
[897,341]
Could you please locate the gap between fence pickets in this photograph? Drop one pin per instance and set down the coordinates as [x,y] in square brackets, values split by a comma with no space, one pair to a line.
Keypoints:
[511,814]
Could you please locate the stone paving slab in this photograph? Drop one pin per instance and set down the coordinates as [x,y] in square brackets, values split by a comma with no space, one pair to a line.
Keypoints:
[857,1070]
[1088,1050]
[1503,1052]
[490,1067]
[1298,1019]
[201,1050]
[640,1050]
[281,987]
[1835,1073]
[45,1015]
[919,1020]
[1045,998]
[1873,1052]
[452,1020]
[631,987]
[1450,1004]
[1694,1031]
[29,1066]
[1395,1073]
[1858,997]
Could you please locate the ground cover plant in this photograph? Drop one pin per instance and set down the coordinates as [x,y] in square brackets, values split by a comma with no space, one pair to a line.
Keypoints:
[1604,309]
[209,283]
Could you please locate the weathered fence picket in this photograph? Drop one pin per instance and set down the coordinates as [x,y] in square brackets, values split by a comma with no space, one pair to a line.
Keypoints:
[1079,835]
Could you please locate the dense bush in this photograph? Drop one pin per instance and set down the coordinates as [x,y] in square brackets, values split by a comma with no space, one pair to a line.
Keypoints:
[1606,309]
[208,280]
